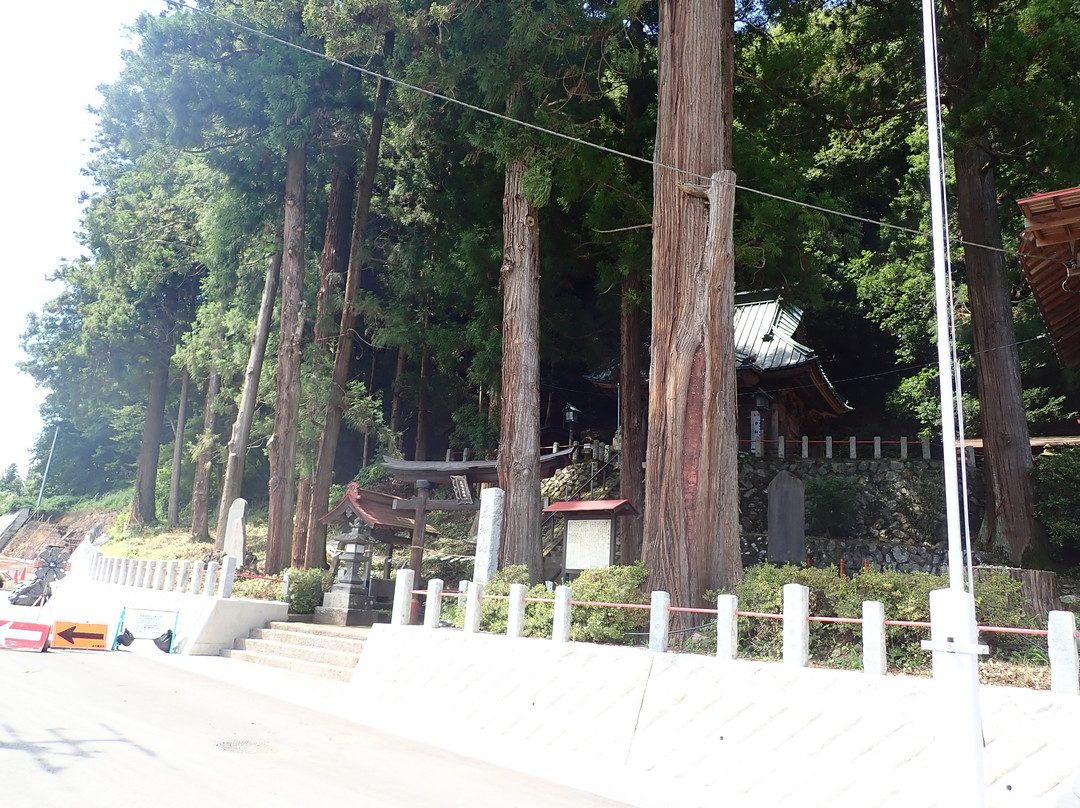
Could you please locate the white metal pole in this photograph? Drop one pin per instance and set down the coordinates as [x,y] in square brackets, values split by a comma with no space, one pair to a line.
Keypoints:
[954,617]
[941,302]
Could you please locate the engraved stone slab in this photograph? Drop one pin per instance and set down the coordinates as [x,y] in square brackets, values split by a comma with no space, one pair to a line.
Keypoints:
[787,519]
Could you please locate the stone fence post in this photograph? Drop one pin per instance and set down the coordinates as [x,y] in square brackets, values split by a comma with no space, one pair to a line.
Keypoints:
[515,617]
[473,600]
[433,607]
[399,615]
[560,629]
[873,638]
[796,625]
[727,627]
[1063,656]
[659,622]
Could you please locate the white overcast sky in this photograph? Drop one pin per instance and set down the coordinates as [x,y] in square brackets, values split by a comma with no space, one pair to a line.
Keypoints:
[52,58]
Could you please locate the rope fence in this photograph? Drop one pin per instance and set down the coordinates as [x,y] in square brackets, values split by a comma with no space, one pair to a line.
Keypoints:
[947,620]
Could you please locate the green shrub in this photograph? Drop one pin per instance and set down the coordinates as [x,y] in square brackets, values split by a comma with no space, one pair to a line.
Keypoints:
[587,623]
[905,596]
[258,589]
[1057,496]
[306,589]
[831,508]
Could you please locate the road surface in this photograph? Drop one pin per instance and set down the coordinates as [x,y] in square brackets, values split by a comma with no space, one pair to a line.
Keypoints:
[100,728]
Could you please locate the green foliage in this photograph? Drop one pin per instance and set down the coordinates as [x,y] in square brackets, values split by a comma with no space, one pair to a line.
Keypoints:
[258,589]
[831,505]
[306,589]
[1056,484]
[587,623]
[905,596]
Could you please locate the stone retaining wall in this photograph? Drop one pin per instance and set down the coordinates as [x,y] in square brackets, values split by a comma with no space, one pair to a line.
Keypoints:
[897,501]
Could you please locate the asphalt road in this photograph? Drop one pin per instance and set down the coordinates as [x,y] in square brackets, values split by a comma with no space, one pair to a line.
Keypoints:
[101,728]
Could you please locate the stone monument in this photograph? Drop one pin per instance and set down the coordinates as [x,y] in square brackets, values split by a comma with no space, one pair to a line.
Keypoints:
[787,519]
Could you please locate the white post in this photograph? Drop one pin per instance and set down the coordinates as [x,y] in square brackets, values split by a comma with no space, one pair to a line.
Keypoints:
[211,578]
[873,638]
[903,447]
[759,444]
[805,446]
[954,642]
[472,607]
[727,627]
[170,575]
[780,446]
[159,576]
[197,577]
[828,447]
[659,622]
[399,615]
[560,629]
[228,576]
[182,577]
[515,618]
[130,568]
[796,625]
[433,607]
[853,452]
[926,448]
[1063,657]
[877,447]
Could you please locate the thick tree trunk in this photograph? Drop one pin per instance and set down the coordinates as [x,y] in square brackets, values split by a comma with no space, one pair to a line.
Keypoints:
[234,466]
[145,507]
[287,402]
[1009,505]
[200,487]
[300,557]
[173,519]
[691,535]
[420,449]
[335,407]
[395,400]
[632,419]
[519,432]
[332,267]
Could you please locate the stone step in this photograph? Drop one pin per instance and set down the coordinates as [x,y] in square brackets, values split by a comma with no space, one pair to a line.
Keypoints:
[321,629]
[315,669]
[352,645]
[307,653]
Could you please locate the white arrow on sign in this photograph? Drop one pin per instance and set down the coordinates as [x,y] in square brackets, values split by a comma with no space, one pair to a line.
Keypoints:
[23,635]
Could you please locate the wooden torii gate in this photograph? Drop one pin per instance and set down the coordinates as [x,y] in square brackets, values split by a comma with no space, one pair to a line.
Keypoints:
[462,474]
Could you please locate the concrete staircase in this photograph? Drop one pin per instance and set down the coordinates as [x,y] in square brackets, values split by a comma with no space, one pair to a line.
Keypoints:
[328,652]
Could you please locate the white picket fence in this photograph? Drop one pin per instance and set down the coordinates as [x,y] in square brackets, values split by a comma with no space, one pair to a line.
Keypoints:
[195,578]
[1061,633]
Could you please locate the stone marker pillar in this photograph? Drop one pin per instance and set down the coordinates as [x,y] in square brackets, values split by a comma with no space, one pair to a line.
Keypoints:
[489,534]
[235,536]
[787,519]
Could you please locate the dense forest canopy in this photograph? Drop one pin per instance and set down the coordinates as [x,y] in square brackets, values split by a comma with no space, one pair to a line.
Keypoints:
[218,130]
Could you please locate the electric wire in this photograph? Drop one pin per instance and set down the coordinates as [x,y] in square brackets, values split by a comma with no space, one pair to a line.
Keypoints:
[182,4]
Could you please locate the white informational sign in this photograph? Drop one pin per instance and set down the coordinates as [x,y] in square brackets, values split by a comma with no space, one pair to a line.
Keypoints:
[588,544]
[145,624]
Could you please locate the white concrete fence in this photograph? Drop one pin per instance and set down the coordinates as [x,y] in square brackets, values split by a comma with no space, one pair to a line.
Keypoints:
[198,578]
[1061,633]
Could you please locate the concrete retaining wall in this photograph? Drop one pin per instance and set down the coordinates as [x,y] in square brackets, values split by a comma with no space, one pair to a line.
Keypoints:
[679,729]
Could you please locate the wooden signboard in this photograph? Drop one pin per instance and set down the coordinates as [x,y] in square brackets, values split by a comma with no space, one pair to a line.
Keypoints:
[79,635]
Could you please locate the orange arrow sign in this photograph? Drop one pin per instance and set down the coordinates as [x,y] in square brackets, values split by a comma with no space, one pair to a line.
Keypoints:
[80,635]
[31,636]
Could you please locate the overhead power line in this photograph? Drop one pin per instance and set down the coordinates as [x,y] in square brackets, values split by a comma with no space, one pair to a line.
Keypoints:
[181,4]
